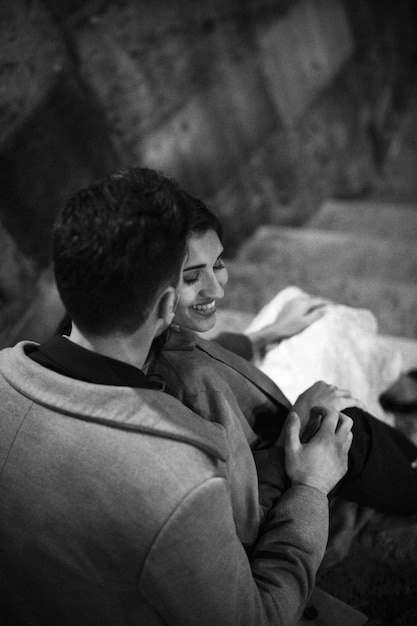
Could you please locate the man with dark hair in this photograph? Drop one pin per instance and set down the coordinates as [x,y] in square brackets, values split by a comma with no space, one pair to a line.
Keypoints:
[115,498]
[110,259]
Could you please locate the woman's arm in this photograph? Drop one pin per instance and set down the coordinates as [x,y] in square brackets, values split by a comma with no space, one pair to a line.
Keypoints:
[294,317]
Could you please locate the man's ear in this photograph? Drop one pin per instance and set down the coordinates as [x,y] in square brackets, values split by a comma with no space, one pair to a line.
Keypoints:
[166,306]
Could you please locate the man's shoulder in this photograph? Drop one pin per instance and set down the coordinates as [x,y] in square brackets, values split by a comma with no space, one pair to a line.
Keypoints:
[150,412]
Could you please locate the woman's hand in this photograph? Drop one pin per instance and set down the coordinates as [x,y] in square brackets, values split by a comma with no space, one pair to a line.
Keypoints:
[296,315]
[322,394]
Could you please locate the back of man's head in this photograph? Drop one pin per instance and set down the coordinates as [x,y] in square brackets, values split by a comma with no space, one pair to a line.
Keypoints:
[116,245]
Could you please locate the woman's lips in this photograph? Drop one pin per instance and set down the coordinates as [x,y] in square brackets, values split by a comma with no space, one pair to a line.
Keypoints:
[204,309]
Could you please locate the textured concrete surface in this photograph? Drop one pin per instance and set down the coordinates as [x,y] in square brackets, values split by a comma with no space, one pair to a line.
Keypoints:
[249,104]
[32,58]
[379,575]
[251,285]
[388,220]
[17,284]
[349,252]
[326,254]
[263,127]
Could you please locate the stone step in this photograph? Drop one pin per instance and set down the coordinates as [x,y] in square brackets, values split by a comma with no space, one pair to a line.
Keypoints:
[18,278]
[251,285]
[325,254]
[39,320]
[378,219]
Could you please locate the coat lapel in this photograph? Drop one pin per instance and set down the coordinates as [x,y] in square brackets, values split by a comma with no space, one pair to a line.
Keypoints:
[246,369]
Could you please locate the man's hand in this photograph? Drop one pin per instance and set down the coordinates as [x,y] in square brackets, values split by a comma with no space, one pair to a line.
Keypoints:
[322,394]
[322,461]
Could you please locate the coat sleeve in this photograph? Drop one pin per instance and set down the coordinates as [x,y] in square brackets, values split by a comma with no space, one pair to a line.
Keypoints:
[197,571]
[273,480]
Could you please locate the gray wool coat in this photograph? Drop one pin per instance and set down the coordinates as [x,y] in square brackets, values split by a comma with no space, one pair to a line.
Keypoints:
[117,508]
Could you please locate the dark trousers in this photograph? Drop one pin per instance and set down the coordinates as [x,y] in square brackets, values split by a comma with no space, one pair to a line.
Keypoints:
[379,473]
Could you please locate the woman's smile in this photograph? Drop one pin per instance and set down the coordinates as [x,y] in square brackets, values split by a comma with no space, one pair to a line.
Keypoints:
[207,308]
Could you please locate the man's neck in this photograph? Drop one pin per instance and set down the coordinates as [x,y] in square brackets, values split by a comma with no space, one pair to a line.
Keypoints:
[132,349]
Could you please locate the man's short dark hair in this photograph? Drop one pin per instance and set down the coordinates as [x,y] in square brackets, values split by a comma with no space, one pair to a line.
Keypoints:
[115,246]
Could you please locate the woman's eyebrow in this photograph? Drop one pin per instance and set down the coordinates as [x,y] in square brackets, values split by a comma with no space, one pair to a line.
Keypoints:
[194,267]
[201,266]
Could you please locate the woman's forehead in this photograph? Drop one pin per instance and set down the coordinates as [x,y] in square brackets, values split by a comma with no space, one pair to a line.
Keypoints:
[204,247]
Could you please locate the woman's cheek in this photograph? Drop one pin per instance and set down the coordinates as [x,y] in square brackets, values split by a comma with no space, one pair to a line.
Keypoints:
[184,302]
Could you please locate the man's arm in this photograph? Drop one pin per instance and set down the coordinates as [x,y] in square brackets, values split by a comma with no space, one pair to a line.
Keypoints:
[197,571]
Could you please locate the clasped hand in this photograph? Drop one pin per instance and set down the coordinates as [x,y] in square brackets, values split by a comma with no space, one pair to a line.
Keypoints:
[322,461]
[324,395]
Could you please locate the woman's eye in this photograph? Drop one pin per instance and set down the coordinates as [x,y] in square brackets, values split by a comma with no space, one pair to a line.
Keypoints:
[190,280]
[219,265]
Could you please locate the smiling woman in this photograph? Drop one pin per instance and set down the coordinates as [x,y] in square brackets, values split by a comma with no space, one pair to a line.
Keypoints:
[204,277]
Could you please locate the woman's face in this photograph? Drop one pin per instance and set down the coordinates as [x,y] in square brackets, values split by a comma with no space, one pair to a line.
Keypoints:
[204,276]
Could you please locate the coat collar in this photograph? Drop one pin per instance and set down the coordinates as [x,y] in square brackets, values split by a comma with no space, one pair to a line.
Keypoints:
[63,356]
[180,339]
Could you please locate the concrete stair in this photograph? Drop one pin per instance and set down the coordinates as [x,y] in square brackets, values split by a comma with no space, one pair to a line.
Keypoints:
[251,285]
[377,219]
[357,253]
[322,254]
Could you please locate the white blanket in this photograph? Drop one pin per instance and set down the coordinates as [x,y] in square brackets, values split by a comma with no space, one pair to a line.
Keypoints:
[339,348]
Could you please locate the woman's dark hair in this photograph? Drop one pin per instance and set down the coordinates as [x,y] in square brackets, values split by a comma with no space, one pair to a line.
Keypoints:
[116,245]
[200,218]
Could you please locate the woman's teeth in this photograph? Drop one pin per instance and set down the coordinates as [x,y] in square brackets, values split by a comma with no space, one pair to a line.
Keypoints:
[204,307]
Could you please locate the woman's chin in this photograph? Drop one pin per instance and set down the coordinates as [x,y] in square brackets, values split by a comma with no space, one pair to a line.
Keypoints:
[207,325]
[202,325]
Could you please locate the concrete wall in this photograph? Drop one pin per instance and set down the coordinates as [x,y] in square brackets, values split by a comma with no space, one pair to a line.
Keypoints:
[261,107]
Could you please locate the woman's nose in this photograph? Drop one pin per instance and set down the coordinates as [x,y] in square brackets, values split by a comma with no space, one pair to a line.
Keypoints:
[212,288]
